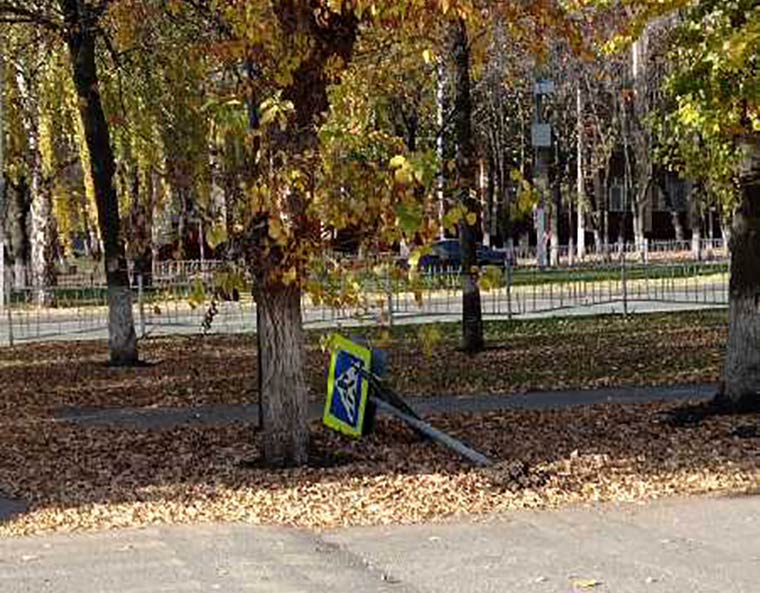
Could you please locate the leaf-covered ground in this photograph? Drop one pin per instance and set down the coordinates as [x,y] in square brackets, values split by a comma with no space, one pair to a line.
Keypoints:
[95,478]
[79,477]
[423,360]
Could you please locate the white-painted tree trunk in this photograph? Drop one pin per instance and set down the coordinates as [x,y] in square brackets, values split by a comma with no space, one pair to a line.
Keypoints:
[638,227]
[580,182]
[122,339]
[742,370]
[554,235]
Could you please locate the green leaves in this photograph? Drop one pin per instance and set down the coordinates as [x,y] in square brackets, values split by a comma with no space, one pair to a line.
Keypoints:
[410,217]
[275,111]
[712,95]
[216,235]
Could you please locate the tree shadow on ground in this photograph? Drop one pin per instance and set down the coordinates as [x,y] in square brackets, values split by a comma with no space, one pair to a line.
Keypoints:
[693,414]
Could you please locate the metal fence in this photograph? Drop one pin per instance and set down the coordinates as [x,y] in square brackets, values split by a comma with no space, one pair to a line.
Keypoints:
[644,252]
[378,296]
[170,272]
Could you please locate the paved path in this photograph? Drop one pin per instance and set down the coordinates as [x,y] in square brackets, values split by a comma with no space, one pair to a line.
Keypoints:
[682,546]
[161,418]
[33,326]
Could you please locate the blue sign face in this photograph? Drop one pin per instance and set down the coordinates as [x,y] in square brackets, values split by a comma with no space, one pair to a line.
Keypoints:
[347,389]
[347,393]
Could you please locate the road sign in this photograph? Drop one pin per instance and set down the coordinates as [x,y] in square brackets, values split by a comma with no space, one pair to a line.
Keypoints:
[348,393]
[541,135]
[347,387]
[543,87]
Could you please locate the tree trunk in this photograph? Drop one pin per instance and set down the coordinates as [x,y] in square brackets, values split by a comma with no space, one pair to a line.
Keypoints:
[80,38]
[554,214]
[675,219]
[742,371]
[91,240]
[18,213]
[285,402]
[580,226]
[601,192]
[638,226]
[486,204]
[579,179]
[496,236]
[696,225]
[554,236]
[466,184]
[440,145]
[725,228]
[41,235]
[42,245]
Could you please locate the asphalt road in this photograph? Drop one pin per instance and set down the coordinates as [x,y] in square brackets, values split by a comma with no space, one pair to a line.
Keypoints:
[681,546]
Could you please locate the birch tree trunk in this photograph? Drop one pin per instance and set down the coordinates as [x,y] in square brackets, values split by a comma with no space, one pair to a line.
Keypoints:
[80,38]
[638,225]
[554,233]
[440,145]
[18,212]
[581,190]
[696,225]
[742,370]
[675,220]
[41,204]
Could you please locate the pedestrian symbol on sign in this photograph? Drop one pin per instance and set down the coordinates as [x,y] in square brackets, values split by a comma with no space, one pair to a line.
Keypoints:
[347,385]
[347,388]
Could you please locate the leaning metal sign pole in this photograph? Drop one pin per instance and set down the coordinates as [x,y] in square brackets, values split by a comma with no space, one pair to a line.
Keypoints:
[352,385]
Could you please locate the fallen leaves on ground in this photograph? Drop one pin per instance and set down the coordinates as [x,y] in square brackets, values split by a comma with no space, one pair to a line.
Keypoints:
[79,477]
[82,478]
[683,348]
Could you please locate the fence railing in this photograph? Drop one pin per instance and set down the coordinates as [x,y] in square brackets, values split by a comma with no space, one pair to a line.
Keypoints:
[648,250]
[387,296]
[167,272]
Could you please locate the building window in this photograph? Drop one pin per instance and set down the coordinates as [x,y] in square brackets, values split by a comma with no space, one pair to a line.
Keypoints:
[617,197]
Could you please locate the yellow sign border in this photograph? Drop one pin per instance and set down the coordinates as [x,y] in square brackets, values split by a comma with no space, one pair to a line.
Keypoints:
[339,343]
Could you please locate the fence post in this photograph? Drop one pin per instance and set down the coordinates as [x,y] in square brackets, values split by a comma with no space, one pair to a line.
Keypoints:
[141,304]
[509,289]
[7,293]
[389,295]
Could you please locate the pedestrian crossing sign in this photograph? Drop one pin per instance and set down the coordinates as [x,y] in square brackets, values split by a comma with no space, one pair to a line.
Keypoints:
[347,386]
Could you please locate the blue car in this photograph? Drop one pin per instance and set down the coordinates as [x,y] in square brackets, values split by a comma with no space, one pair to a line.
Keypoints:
[447,254]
